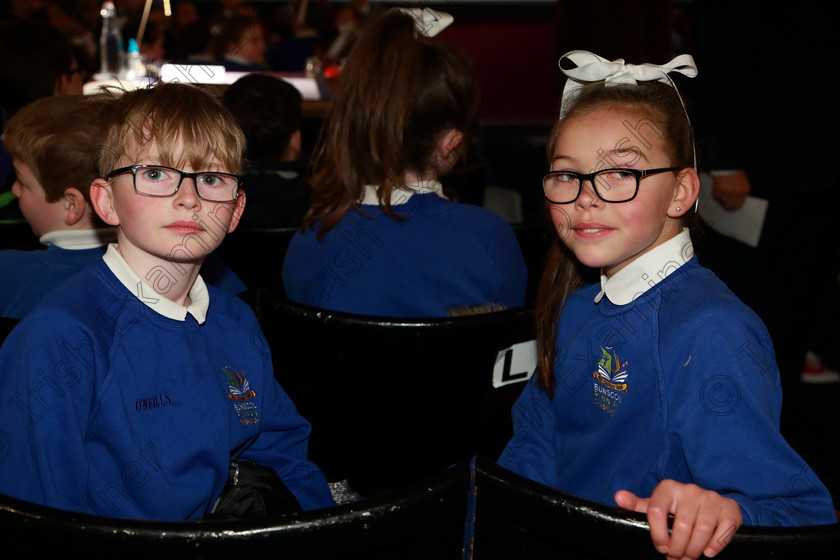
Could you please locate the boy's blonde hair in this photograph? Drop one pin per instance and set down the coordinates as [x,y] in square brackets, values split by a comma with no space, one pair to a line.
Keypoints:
[57,138]
[175,116]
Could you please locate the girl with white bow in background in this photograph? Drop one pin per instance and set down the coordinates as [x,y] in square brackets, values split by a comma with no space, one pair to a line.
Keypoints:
[656,389]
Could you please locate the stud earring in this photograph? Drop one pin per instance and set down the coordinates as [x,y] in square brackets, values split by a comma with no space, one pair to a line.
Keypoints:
[678,208]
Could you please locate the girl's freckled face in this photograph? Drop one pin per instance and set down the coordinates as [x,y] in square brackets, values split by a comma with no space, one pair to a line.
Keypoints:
[611,235]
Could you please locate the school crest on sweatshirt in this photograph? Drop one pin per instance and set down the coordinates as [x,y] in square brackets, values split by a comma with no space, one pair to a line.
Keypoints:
[241,396]
[610,380]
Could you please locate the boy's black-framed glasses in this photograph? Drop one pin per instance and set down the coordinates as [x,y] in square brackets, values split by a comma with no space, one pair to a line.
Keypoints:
[161,181]
[611,185]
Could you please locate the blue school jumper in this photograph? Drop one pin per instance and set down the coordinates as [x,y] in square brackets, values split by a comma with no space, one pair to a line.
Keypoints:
[441,256]
[27,276]
[112,408]
[677,381]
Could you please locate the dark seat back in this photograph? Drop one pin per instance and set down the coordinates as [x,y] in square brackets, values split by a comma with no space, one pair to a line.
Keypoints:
[394,400]
[421,522]
[256,255]
[17,234]
[6,326]
[518,518]
[473,511]
[534,242]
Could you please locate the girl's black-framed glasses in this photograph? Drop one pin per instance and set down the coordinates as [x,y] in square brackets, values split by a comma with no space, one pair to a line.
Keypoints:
[611,185]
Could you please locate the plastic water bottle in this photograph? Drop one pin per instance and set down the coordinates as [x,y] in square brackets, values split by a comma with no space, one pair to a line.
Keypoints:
[135,68]
[110,42]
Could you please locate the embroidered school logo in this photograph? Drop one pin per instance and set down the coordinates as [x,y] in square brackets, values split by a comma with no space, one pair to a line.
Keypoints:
[610,380]
[241,395]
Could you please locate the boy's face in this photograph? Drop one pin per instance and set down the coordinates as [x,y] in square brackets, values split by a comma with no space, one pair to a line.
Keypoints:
[181,228]
[43,216]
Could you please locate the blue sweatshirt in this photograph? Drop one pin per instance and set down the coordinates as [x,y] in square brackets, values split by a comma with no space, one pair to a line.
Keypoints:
[441,256]
[678,383]
[27,276]
[114,409]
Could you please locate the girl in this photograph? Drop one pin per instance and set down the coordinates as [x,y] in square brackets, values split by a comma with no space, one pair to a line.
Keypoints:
[379,238]
[656,388]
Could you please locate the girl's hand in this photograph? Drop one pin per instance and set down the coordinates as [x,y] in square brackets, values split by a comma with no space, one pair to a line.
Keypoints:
[704,521]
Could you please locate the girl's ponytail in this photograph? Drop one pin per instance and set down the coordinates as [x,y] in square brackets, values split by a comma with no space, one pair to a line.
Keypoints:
[398,93]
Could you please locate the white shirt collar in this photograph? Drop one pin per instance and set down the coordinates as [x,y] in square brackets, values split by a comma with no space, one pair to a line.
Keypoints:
[77,239]
[200,299]
[403,193]
[646,271]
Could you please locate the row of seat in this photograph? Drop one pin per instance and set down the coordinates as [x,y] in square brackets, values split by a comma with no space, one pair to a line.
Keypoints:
[473,511]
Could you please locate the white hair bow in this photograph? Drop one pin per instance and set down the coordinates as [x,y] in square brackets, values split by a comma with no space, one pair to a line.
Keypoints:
[428,22]
[593,68]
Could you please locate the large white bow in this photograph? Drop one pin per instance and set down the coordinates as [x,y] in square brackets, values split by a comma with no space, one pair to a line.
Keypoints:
[428,22]
[593,68]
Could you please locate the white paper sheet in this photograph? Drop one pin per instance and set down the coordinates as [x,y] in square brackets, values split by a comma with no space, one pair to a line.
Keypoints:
[743,224]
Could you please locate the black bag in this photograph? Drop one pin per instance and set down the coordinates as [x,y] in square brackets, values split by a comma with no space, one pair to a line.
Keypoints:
[253,492]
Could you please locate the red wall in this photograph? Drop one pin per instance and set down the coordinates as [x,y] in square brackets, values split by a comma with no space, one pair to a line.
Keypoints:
[515,50]
[515,64]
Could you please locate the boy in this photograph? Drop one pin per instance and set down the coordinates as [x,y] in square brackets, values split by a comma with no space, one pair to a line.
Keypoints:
[270,113]
[51,141]
[54,142]
[146,384]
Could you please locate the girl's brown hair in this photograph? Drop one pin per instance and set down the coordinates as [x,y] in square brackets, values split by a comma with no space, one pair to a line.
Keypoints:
[398,93]
[563,272]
